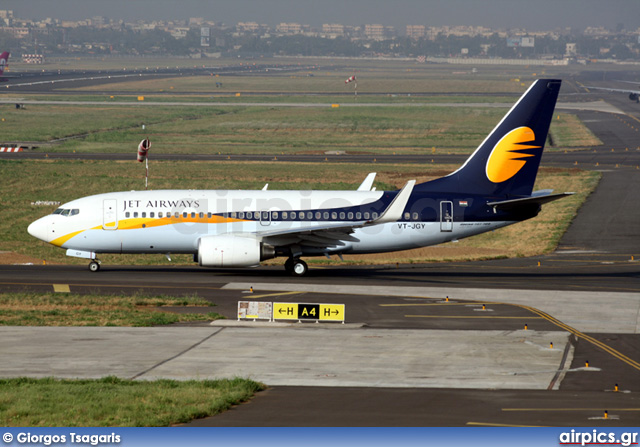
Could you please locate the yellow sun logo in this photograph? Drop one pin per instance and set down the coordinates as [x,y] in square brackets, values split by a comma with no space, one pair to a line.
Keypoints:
[505,160]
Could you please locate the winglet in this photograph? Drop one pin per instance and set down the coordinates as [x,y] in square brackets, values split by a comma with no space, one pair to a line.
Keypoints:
[367,183]
[397,206]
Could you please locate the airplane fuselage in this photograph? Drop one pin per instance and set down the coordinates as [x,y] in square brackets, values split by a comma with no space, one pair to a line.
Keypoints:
[172,221]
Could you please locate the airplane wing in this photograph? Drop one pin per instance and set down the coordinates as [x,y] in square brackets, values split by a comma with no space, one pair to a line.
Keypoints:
[336,234]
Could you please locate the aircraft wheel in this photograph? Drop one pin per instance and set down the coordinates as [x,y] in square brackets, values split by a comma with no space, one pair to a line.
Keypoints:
[300,268]
[94,266]
[288,265]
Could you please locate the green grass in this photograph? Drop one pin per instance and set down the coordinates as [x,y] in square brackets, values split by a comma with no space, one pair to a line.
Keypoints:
[66,309]
[263,130]
[567,131]
[315,81]
[114,402]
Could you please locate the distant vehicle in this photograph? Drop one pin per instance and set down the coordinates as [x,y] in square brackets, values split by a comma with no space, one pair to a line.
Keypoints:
[239,228]
[4,60]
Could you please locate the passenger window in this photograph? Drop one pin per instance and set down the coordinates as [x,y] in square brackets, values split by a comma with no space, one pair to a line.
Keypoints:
[374,215]
[209,215]
[407,216]
[342,216]
[193,215]
[366,216]
[415,216]
[233,215]
[159,213]
[358,215]
[274,215]
[201,215]
[285,215]
[135,214]
[334,215]
[249,214]
[350,216]
[241,215]
[176,215]
[318,215]
[152,214]
[325,215]
[301,215]
[144,214]
[309,215]
[127,214]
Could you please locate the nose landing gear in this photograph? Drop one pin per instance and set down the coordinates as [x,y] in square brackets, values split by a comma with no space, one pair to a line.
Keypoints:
[94,265]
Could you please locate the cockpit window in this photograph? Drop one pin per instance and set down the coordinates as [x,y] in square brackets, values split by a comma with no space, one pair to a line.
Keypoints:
[67,212]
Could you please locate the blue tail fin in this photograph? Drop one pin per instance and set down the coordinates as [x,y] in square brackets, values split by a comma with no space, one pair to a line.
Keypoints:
[507,161]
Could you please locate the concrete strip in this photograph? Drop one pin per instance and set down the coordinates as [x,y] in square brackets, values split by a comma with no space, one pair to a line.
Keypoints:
[597,106]
[282,356]
[375,358]
[593,312]
[81,352]
[293,324]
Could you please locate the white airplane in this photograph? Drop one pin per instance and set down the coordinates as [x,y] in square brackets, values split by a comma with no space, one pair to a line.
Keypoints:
[236,228]
[634,95]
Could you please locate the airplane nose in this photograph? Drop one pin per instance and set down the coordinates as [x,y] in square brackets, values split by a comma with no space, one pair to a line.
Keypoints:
[39,229]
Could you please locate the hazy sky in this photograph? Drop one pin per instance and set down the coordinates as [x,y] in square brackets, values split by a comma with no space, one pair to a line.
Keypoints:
[530,14]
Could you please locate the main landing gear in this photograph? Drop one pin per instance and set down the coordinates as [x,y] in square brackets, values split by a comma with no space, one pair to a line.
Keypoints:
[296,266]
[94,265]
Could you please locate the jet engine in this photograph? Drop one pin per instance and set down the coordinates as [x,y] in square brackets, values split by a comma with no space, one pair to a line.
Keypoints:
[232,251]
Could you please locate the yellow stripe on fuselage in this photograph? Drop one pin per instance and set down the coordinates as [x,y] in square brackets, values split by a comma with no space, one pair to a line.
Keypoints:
[62,239]
[139,223]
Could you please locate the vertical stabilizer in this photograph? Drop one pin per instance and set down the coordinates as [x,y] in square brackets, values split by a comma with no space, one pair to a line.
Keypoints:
[506,162]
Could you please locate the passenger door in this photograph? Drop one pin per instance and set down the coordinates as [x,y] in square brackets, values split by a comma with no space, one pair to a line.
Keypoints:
[446,216]
[109,214]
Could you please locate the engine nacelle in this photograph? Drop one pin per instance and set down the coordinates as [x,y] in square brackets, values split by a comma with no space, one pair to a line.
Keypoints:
[634,97]
[232,251]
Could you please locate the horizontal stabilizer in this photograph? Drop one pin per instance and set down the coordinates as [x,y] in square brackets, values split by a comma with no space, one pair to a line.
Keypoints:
[506,205]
